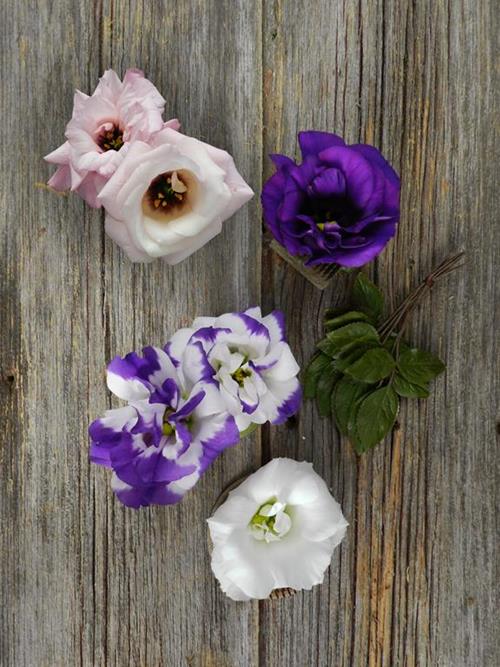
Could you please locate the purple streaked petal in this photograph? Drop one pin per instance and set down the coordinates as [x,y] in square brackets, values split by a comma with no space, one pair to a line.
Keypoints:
[290,406]
[275,324]
[216,435]
[195,364]
[161,494]
[184,436]
[110,429]
[168,394]
[279,364]
[100,455]
[188,407]
[122,380]
[247,408]
[167,470]
[135,497]
[208,336]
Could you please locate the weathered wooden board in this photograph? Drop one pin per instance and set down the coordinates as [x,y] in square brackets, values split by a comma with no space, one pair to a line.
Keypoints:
[87,582]
[414,581]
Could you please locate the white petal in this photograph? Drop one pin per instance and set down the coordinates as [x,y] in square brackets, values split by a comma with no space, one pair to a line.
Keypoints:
[281,362]
[177,344]
[126,389]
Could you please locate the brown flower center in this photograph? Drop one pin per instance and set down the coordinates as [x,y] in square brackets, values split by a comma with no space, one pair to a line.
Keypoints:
[166,192]
[111,139]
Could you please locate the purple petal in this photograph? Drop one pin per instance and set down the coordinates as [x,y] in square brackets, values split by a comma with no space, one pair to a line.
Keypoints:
[329,183]
[168,394]
[195,363]
[100,455]
[290,407]
[282,161]
[365,185]
[188,407]
[312,142]
[221,432]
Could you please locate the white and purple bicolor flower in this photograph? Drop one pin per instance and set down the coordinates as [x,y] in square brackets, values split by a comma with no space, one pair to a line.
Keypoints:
[250,360]
[160,444]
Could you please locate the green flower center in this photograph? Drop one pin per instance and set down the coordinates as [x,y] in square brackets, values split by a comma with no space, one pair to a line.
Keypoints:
[111,140]
[271,521]
[323,220]
[240,374]
[168,429]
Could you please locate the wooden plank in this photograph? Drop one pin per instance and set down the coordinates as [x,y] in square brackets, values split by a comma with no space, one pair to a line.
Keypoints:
[413,583]
[87,581]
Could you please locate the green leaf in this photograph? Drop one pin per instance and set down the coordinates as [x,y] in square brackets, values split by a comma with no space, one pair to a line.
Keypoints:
[318,364]
[375,416]
[336,340]
[352,352]
[326,347]
[367,297]
[418,367]
[335,312]
[389,344]
[409,389]
[324,391]
[346,318]
[372,366]
[344,397]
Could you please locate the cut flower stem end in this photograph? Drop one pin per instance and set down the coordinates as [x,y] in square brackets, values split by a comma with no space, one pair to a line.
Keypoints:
[319,276]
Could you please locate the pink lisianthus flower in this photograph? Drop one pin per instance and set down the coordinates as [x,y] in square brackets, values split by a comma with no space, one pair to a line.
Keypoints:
[101,129]
[170,196]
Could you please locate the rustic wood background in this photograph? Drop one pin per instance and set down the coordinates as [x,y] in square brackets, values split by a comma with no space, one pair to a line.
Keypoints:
[86,581]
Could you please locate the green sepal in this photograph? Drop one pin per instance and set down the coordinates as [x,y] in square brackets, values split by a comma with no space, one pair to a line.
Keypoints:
[249,430]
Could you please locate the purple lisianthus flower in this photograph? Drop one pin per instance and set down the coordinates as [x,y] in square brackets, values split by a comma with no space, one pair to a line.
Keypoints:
[250,360]
[160,444]
[339,206]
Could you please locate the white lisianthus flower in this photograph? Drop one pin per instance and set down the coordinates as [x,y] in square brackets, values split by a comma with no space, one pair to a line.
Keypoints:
[170,196]
[277,529]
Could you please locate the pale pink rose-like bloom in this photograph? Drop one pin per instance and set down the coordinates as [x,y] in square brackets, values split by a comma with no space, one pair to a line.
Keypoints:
[101,129]
[170,196]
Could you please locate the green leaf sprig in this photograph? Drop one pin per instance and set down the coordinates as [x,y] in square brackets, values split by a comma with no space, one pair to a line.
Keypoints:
[362,367]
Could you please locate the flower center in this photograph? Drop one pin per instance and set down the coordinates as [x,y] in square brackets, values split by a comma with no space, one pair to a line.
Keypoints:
[110,139]
[270,522]
[166,191]
[240,374]
[167,427]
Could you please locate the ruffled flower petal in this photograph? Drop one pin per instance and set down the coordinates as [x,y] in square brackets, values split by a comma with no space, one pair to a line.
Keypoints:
[340,206]
[300,519]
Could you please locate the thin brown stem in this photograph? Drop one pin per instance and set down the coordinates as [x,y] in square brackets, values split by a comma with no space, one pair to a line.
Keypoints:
[397,320]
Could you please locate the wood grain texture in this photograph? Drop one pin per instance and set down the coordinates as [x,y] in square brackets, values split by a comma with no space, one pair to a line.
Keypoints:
[85,581]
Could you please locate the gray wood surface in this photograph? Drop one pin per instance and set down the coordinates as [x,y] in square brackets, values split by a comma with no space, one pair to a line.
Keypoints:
[85,581]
